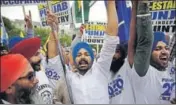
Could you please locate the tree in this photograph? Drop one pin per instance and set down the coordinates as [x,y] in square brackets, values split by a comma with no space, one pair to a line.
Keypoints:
[10,28]
[7,23]
[65,40]
[43,33]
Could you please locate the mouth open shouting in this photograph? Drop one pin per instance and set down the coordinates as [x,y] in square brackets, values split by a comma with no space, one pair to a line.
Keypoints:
[83,64]
[163,60]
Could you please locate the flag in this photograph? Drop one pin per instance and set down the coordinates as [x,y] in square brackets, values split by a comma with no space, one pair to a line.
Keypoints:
[21,34]
[44,46]
[123,8]
[4,35]
[77,11]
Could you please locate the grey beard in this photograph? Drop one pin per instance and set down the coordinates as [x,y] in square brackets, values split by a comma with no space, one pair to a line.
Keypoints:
[22,95]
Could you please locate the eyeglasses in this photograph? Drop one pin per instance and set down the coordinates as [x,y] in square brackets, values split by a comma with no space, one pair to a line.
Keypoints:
[30,76]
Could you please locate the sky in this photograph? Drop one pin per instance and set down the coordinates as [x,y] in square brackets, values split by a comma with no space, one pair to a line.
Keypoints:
[97,12]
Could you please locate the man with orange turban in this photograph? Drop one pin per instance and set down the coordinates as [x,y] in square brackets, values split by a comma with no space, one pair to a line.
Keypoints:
[17,78]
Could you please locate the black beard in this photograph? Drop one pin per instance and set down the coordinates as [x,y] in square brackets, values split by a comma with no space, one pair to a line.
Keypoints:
[36,66]
[116,65]
[22,95]
[156,65]
[83,71]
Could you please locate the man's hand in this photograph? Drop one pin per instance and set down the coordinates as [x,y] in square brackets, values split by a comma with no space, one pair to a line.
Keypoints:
[112,26]
[81,29]
[52,21]
[28,21]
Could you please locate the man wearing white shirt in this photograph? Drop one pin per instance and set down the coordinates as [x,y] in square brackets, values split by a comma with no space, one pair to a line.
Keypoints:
[90,84]
[151,81]
[119,87]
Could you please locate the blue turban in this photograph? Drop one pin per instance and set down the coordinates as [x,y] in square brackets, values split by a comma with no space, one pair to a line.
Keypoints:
[14,40]
[85,46]
[158,36]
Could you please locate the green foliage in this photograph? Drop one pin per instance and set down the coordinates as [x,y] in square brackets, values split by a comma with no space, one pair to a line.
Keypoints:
[43,33]
[7,24]
[10,28]
[65,40]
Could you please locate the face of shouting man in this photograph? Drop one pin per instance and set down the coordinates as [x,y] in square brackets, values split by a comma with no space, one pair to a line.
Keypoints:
[160,51]
[160,54]
[83,57]
[83,60]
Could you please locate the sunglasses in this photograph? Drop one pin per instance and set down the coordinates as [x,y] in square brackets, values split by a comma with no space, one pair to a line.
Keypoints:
[30,76]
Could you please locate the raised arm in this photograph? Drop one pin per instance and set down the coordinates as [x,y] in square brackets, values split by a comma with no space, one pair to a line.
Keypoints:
[132,38]
[112,25]
[53,40]
[78,37]
[144,39]
[110,42]
[28,26]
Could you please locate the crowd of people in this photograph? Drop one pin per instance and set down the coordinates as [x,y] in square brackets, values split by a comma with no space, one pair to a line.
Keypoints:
[141,71]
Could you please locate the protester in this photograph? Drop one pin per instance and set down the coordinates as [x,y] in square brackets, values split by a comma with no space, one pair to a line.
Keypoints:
[89,84]
[17,81]
[150,79]
[54,66]
[29,48]
[120,88]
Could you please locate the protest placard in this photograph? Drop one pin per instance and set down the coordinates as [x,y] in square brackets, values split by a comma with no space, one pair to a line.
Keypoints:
[163,16]
[42,13]
[94,32]
[60,8]
[21,2]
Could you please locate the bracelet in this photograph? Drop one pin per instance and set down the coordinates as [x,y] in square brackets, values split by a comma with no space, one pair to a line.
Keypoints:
[53,29]
[53,40]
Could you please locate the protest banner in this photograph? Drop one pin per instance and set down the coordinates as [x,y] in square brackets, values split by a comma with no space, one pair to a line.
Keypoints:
[21,2]
[94,32]
[42,13]
[123,8]
[163,16]
[60,8]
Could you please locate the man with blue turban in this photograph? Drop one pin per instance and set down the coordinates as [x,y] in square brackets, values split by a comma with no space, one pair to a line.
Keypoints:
[89,84]
[151,80]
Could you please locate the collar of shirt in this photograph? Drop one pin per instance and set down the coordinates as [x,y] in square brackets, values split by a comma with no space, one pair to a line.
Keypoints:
[87,73]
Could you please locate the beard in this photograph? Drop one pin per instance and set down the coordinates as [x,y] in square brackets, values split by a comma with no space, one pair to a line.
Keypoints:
[23,95]
[36,66]
[157,65]
[83,70]
[116,65]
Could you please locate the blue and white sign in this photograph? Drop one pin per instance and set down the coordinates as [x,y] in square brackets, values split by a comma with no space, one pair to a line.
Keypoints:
[60,8]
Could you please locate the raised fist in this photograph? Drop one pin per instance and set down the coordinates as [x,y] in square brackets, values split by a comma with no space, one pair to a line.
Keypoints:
[28,20]
[52,20]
